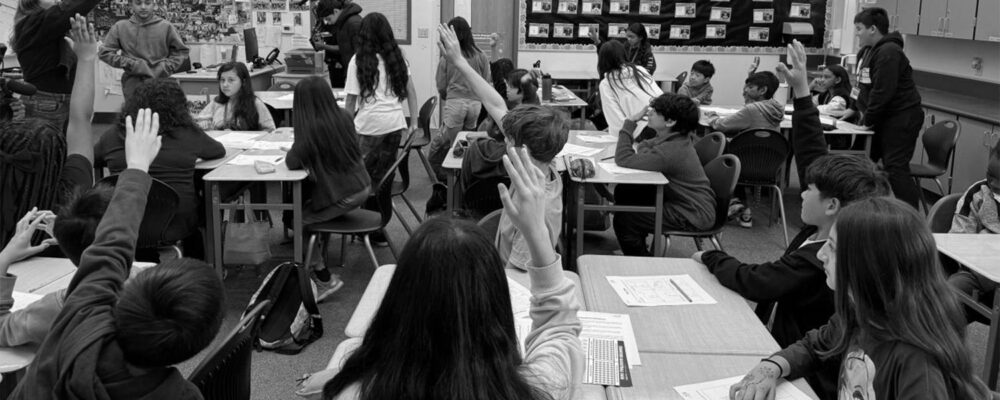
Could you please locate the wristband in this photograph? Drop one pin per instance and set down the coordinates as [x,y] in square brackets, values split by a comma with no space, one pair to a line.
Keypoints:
[781,371]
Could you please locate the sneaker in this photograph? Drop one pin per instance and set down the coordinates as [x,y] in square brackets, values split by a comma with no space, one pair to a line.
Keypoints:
[746,218]
[735,207]
[326,289]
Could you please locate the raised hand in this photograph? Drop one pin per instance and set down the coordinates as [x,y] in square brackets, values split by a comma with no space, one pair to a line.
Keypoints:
[594,36]
[796,76]
[754,65]
[20,246]
[448,44]
[82,38]
[142,141]
[524,204]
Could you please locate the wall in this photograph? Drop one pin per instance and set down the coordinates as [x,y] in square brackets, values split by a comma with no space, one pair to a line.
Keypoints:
[953,56]
[422,52]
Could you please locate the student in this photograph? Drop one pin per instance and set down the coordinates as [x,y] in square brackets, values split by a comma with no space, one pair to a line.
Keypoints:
[638,51]
[522,88]
[145,46]
[341,19]
[184,142]
[236,107]
[897,333]
[697,86]
[832,90]
[449,293]
[461,107]
[326,145]
[625,88]
[761,111]
[689,203]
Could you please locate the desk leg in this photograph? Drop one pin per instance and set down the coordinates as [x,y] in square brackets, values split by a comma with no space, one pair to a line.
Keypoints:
[583,117]
[992,366]
[451,191]
[297,234]
[578,249]
[658,222]
[216,225]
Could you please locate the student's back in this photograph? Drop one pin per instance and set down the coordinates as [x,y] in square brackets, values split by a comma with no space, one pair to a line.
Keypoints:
[625,88]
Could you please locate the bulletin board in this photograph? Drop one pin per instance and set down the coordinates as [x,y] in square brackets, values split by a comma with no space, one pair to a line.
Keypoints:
[740,26]
[398,12]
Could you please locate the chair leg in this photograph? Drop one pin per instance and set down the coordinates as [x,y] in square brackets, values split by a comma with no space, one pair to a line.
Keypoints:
[371,252]
[427,165]
[716,243]
[412,208]
[402,221]
[781,208]
[666,246]
[698,244]
[940,188]
[923,199]
[309,250]
[343,247]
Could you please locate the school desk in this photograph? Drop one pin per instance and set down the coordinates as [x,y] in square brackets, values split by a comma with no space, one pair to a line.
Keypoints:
[36,273]
[202,81]
[453,165]
[728,327]
[282,100]
[571,103]
[981,254]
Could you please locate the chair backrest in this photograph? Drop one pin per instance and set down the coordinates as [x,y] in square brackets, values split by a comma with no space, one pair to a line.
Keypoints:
[382,191]
[224,373]
[491,223]
[424,120]
[723,172]
[710,147]
[939,142]
[679,81]
[942,212]
[762,154]
[161,206]
[481,197]
[282,86]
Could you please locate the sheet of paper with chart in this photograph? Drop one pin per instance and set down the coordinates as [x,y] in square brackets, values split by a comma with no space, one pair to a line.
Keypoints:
[595,325]
[719,390]
[659,290]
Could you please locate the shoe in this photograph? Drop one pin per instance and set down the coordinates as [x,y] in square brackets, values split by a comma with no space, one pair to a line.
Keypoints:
[735,208]
[326,289]
[746,218]
[378,239]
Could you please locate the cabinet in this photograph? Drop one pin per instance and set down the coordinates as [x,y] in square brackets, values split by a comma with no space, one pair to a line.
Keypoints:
[951,19]
[904,15]
[988,21]
[972,152]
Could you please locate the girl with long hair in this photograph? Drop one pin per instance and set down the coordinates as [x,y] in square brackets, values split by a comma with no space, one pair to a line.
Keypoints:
[898,331]
[326,145]
[445,329]
[461,106]
[638,50]
[625,88]
[833,90]
[184,142]
[236,107]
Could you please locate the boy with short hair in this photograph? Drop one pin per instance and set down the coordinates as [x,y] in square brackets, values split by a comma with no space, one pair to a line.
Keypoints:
[697,86]
[340,20]
[145,46]
[761,111]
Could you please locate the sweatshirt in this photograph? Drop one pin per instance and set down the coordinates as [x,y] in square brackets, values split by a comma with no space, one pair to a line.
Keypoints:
[622,97]
[764,114]
[347,26]
[483,160]
[553,359]
[886,81]
[80,358]
[144,49]
[689,194]
[46,59]
[222,116]
[326,186]
[702,94]
[453,85]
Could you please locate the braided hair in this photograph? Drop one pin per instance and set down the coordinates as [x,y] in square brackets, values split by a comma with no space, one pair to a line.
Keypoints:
[32,153]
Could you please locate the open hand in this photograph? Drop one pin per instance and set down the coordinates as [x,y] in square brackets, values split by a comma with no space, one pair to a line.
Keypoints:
[760,384]
[594,36]
[82,38]
[20,246]
[796,76]
[142,141]
[448,44]
[525,201]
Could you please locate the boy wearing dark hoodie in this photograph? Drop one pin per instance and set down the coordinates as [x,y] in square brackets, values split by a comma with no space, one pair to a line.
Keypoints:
[888,100]
[341,21]
[116,340]
[762,111]
[145,46]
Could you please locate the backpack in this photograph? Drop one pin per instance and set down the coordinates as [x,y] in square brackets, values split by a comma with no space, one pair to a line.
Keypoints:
[292,320]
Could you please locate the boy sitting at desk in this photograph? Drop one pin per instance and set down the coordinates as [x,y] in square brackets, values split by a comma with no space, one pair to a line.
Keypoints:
[761,111]
[145,46]
[697,86]
[688,201]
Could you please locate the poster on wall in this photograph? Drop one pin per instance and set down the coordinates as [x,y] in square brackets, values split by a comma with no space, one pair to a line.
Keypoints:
[541,6]
[592,6]
[568,7]
[619,6]
[721,14]
[758,34]
[763,15]
[652,31]
[649,7]
[680,31]
[562,31]
[585,29]
[800,10]
[538,30]
[715,31]
[684,10]
[617,30]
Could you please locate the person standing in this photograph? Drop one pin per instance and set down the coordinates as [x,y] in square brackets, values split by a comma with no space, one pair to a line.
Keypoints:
[340,22]
[888,100]
[145,46]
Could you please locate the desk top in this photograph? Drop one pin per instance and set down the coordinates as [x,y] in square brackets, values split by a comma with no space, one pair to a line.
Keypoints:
[660,373]
[213,164]
[283,99]
[204,74]
[842,128]
[247,173]
[452,162]
[727,327]
[36,273]
[980,253]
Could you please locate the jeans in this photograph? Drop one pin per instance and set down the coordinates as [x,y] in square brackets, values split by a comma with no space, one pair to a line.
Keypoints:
[893,143]
[378,153]
[53,107]
[458,114]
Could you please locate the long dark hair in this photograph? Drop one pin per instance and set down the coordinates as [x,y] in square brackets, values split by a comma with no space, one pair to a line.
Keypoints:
[25,9]
[640,31]
[896,291]
[324,132]
[164,97]
[612,65]
[842,89]
[499,70]
[464,33]
[245,117]
[375,39]
[527,86]
[32,152]
[445,329]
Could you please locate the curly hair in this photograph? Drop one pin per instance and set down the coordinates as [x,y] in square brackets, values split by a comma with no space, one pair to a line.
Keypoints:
[375,39]
[679,108]
[164,97]
[245,117]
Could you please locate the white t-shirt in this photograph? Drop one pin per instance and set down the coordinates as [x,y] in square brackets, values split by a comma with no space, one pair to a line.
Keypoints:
[383,112]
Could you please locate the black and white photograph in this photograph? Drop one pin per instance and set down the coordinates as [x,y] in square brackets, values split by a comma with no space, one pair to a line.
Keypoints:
[541,6]
[592,6]
[715,31]
[562,31]
[685,10]
[619,6]
[538,30]
[763,15]
[800,10]
[652,31]
[759,34]
[649,7]
[568,6]
[720,14]
[680,32]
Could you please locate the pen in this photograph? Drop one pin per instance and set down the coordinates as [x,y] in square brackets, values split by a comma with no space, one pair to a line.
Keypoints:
[607,158]
[681,290]
[279,160]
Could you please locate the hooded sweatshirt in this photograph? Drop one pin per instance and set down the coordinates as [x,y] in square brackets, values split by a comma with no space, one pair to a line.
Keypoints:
[885,81]
[144,49]
[764,114]
[346,28]
[46,59]
[622,97]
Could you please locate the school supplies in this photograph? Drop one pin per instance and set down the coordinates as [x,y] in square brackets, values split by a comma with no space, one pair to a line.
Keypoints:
[664,290]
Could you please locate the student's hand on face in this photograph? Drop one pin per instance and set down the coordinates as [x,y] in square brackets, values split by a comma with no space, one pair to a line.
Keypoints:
[525,201]
[20,246]
[142,142]
[82,38]
[759,384]
[754,64]
[796,76]
[448,44]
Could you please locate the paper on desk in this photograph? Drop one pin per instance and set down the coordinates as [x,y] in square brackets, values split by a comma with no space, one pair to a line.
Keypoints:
[238,140]
[22,300]
[264,145]
[611,326]
[577,150]
[244,159]
[287,97]
[719,390]
[659,290]
[718,110]
[613,168]
[598,139]
[520,297]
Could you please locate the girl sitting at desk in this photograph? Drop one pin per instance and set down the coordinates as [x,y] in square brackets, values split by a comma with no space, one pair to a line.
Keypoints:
[832,91]
[236,107]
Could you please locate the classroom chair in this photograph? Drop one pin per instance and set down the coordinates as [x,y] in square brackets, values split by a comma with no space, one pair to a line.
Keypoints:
[400,187]
[940,216]
[161,206]
[361,221]
[710,147]
[224,373]
[679,81]
[424,125]
[939,143]
[763,154]
[723,172]
[491,223]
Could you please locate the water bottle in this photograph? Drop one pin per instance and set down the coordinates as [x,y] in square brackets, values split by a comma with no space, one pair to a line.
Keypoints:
[546,87]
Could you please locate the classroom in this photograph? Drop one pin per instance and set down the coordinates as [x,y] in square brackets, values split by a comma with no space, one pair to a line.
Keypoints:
[500,199]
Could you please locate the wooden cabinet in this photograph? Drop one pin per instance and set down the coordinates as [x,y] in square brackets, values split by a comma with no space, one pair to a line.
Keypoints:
[907,16]
[950,19]
[988,21]
[932,14]
[972,153]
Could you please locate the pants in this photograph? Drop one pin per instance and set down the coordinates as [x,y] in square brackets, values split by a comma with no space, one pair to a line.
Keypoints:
[458,114]
[48,106]
[893,143]
[968,282]
[631,228]
[378,153]
[338,74]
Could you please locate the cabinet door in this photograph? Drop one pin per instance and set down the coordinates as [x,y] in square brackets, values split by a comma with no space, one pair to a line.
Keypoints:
[932,15]
[971,153]
[908,16]
[987,21]
[961,19]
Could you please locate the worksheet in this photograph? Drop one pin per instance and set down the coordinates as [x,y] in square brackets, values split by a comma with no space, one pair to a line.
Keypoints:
[595,325]
[661,290]
[573,149]
[613,168]
[719,390]
[244,159]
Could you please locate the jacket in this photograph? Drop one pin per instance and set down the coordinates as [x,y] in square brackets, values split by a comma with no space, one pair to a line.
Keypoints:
[46,59]
[144,49]
[703,93]
[764,114]
[886,81]
[483,160]
[976,211]
[347,26]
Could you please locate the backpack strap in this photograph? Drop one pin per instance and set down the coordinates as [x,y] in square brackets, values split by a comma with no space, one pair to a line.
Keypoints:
[309,301]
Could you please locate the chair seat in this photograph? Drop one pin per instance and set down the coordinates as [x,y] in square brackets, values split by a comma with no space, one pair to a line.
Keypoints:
[356,221]
[420,142]
[925,171]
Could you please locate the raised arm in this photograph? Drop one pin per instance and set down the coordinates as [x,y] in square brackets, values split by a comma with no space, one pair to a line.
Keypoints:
[494,103]
[79,132]
[808,141]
